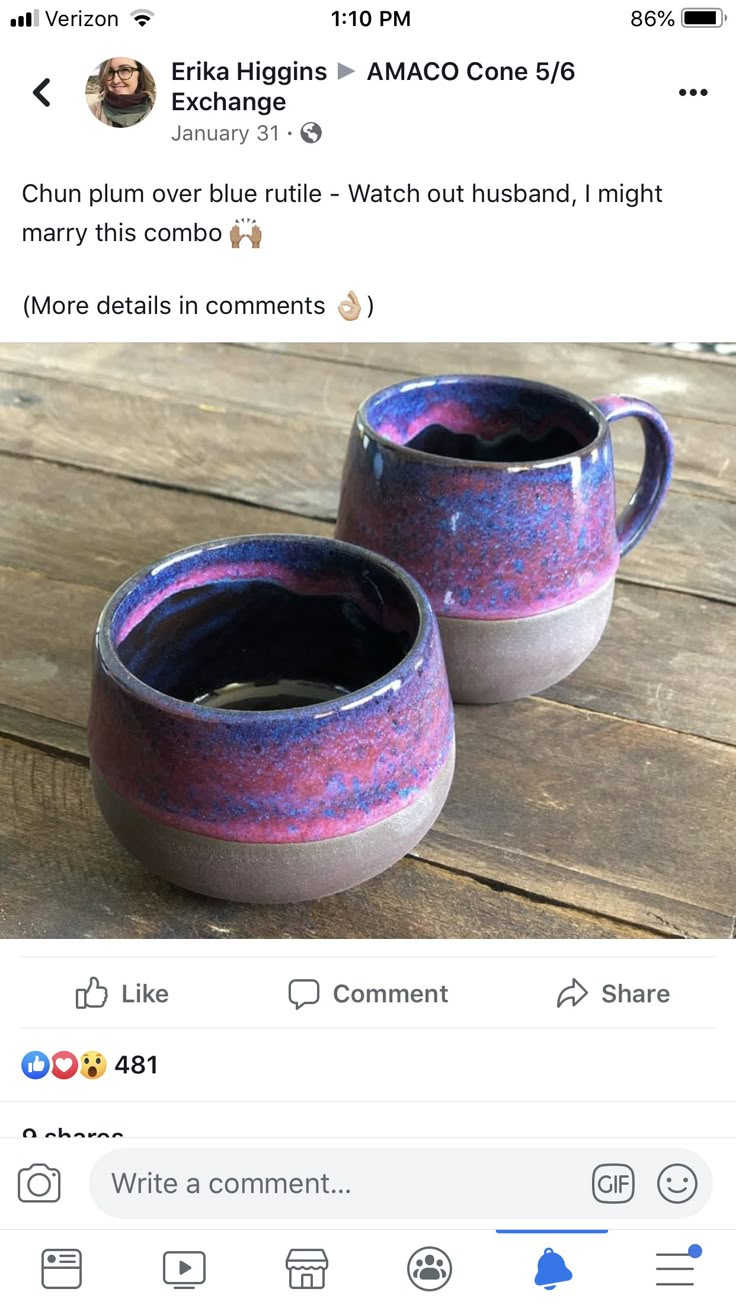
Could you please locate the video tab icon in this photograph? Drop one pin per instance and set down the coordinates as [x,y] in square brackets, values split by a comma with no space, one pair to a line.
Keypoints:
[29,19]
[613,1183]
[184,1269]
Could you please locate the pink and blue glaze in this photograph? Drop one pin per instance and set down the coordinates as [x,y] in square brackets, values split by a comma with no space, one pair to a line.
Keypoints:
[489,526]
[249,608]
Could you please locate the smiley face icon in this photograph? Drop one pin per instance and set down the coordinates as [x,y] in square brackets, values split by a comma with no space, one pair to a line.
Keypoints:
[93,1065]
[677,1183]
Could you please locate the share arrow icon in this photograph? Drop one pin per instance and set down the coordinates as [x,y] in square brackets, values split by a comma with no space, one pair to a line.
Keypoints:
[572,994]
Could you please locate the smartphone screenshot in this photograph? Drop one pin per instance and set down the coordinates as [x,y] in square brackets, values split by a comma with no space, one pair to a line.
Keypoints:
[367,717]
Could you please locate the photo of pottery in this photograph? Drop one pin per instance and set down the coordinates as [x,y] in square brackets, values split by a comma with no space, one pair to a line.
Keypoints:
[499,496]
[388,641]
[270,717]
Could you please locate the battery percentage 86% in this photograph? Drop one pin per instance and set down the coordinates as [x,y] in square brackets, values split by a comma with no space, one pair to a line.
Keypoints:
[652,18]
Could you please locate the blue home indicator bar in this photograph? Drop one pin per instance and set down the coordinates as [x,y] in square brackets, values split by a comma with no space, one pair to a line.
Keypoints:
[702,17]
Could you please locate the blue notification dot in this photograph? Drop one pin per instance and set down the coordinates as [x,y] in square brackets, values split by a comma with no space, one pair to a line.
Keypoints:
[35,1065]
[694,1251]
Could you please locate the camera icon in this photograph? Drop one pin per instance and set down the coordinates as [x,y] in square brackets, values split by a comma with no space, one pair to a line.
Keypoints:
[39,1184]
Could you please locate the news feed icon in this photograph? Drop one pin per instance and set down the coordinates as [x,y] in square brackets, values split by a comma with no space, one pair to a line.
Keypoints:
[61,1269]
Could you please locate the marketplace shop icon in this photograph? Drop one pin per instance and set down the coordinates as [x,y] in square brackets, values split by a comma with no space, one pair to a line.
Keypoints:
[306,1269]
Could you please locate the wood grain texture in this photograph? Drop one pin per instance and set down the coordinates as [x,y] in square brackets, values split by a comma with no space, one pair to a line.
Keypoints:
[564,802]
[666,659]
[65,877]
[278,459]
[237,393]
[81,526]
[683,384]
[690,547]
[688,385]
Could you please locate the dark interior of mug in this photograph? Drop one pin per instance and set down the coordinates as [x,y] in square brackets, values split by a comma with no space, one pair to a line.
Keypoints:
[483,419]
[258,633]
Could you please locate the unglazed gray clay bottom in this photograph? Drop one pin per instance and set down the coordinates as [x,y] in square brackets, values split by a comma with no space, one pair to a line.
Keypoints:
[277,873]
[495,660]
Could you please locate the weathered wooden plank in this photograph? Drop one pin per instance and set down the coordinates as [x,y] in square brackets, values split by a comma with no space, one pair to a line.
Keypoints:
[594,810]
[46,645]
[63,737]
[667,659]
[80,526]
[283,460]
[643,347]
[683,384]
[65,877]
[220,378]
[309,382]
[691,546]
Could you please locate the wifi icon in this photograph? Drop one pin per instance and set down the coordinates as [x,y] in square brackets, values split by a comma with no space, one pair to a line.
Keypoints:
[142,16]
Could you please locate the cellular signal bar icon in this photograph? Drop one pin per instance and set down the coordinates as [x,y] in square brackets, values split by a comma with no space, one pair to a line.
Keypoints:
[29,19]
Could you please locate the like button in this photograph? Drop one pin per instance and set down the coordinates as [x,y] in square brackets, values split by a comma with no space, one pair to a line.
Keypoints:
[93,996]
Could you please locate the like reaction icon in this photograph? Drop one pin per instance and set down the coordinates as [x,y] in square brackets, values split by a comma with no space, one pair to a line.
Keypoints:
[35,1065]
[93,995]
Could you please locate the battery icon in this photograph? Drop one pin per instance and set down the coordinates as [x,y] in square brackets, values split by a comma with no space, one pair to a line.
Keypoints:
[702,17]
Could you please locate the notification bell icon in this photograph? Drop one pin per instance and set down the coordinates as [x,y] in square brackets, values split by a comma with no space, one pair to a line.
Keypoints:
[551,1270]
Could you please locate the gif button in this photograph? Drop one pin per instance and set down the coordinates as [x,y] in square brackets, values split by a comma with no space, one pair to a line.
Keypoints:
[613,1183]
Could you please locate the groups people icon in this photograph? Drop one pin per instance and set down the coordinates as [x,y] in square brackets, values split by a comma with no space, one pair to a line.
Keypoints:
[429,1269]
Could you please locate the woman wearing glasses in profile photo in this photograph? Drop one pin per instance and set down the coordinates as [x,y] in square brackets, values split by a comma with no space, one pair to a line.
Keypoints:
[121,93]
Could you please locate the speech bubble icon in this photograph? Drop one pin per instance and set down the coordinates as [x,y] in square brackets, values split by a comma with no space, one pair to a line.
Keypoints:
[303,991]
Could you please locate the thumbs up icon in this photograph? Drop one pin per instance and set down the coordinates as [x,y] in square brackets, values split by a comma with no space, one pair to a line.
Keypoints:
[92,996]
[35,1065]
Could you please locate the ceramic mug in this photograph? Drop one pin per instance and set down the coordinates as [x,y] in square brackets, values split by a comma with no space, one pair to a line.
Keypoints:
[270,717]
[498,495]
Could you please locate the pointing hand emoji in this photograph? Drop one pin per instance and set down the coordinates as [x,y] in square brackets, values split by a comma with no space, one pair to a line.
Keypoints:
[349,309]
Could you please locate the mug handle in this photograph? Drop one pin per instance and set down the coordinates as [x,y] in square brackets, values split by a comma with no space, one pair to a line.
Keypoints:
[659,454]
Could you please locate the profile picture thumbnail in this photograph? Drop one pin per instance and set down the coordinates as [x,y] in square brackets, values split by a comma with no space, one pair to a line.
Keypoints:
[121,92]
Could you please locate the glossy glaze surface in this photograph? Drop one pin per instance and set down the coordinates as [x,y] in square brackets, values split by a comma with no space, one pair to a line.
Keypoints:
[325,769]
[485,536]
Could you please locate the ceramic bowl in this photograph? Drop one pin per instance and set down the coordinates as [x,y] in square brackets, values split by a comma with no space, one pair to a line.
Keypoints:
[270,717]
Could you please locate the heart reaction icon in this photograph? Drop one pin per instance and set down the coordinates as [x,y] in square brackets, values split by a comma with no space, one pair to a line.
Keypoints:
[64,1064]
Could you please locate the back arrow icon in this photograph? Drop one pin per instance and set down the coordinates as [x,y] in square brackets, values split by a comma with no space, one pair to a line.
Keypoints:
[42,87]
[572,994]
